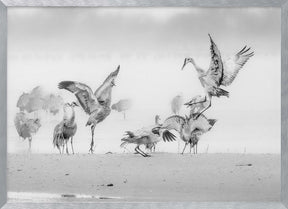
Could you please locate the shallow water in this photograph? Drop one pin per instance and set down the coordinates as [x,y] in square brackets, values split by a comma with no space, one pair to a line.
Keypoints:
[55,197]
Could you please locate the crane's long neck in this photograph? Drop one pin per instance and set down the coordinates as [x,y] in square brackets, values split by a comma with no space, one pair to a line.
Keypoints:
[69,115]
[199,70]
[72,119]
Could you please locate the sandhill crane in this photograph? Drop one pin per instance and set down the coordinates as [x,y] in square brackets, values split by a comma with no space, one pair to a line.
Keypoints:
[122,106]
[26,127]
[219,73]
[188,128]
[194,109]
[176,104]
[96,105]
[145,136]
[66,129]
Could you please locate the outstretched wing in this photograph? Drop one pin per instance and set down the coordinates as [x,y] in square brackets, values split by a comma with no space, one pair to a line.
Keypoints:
[174,122]
[201,124]
[103,93]
[83,93]
[168,136]
[214,74]
[233,65]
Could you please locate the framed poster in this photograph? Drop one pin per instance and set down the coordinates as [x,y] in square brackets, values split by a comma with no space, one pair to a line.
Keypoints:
[175,104]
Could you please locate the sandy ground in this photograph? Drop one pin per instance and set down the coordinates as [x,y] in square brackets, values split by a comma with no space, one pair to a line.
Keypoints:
[162,177]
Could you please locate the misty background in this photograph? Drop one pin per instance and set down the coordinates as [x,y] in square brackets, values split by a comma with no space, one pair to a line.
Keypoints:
[46,46]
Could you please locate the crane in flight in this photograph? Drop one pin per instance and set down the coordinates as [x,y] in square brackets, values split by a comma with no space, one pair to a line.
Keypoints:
[97,104]
[219,73]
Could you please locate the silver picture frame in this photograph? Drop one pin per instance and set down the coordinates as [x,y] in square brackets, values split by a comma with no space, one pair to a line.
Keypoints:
[282,4]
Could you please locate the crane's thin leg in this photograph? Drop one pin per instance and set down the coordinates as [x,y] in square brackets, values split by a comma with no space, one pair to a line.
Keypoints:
[191,147]
[66,142]
[204,109]
[202,101]
[146,155]
[138,150]
[72,145]
[154,147]
[184,148]
[30,142]
[91,150]
[196,147]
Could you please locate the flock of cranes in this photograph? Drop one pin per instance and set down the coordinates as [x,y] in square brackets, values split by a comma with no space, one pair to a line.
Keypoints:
[189,128]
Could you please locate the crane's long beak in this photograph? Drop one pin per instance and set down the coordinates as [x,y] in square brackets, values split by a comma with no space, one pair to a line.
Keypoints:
[185,62]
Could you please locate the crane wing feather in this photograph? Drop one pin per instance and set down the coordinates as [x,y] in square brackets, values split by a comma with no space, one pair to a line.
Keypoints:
[103,93]
[214,74]
[168,136]
[201,124]
[83,93]
[174,122]
[233,65]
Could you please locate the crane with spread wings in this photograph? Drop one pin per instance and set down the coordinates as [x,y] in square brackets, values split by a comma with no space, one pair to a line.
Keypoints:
[219,73]
[189,128]
[97,104]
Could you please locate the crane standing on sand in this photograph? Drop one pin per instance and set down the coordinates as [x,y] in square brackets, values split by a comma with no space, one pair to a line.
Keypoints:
[219,73]
[188,128]
[194,109]
[26,127]
[96,105]
[66,129]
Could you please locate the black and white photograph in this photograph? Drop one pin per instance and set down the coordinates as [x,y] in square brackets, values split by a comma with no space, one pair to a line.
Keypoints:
[143,104]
